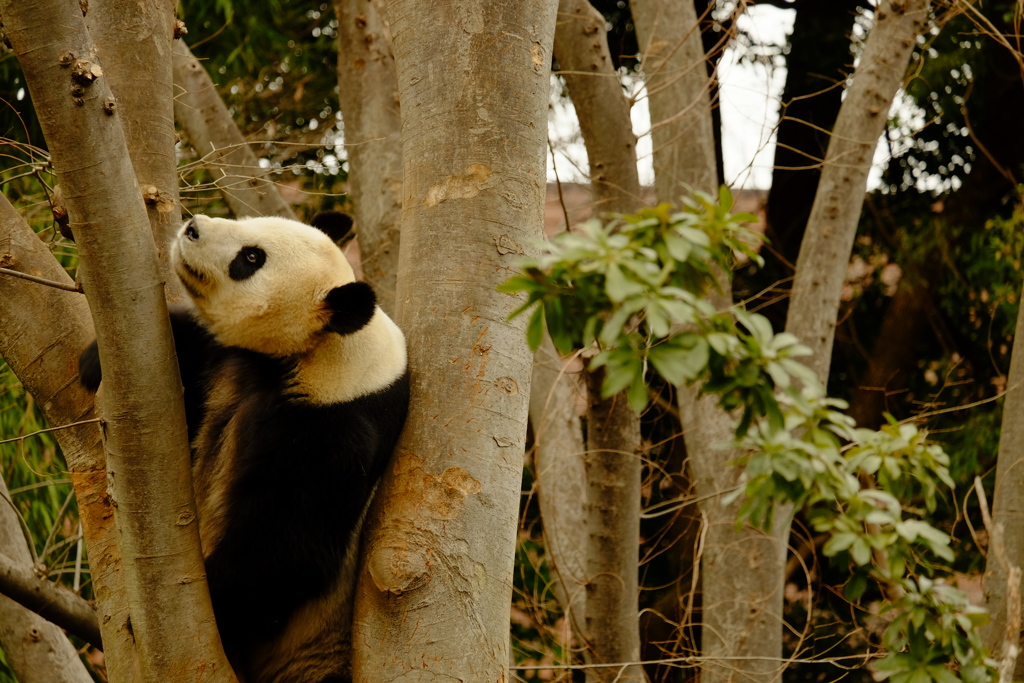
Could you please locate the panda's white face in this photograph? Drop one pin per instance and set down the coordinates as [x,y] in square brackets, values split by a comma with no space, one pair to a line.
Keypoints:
[260,283]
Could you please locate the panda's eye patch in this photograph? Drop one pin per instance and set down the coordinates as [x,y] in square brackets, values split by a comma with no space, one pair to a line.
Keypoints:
[246,263]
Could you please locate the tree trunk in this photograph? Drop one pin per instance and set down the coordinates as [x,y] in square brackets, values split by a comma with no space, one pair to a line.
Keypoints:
[581,48]
[435,589]
[42,331]
[1008,501]
[204,118]
[145,436]
[742,569]
[613,463]
[37,650]
[825,251]
[677,88]
[368,90]
[613,535]
[561,479]
[134,40]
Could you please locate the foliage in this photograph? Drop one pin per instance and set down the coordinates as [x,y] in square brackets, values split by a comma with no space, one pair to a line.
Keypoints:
[634,293]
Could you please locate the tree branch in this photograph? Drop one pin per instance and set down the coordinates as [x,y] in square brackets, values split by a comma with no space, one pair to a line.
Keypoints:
[49,600]
[42,281]
[203,116]
[146,438]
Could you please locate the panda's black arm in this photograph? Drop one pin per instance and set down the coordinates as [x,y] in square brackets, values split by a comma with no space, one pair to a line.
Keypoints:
[192,343]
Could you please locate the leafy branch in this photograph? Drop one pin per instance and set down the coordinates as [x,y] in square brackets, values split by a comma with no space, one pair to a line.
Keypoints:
[632,294]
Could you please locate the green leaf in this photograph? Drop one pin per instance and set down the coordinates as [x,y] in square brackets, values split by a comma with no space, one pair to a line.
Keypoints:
[617,286]
[838,543]
[855,587]
[617,377]
[860,552]
[697,237]
[638,395]
[678,248]
[535,329]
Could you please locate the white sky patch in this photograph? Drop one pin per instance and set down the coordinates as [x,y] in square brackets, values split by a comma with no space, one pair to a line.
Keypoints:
[750,95]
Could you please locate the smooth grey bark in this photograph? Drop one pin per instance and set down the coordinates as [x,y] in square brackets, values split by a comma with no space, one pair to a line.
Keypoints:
[742,570]
[37,650]
[828,242]
[561,478]
[435,588]
[581,48]
[50,601]
[42,331]
[1008,501]
[204,118]
[613,464]
[134,40]
[144,437]
[368,90]
[678,90]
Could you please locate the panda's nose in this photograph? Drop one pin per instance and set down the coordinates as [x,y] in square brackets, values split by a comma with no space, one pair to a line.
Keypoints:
[190,230]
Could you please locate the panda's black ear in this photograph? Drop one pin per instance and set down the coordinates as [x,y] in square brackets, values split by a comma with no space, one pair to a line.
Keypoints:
[335,224]
[351,307]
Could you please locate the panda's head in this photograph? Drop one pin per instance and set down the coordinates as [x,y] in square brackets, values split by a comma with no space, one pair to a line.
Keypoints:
[271,285]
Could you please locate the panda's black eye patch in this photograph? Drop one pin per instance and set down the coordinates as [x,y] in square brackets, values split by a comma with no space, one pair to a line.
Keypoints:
[246,262]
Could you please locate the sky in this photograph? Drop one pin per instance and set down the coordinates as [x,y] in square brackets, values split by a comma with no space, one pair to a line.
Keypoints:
[749,102]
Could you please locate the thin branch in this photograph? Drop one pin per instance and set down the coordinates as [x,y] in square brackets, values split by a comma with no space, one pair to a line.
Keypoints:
[42,281]
[50,601]
[51,429]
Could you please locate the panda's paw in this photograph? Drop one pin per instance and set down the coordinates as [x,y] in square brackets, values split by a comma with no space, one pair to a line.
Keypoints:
[89,371]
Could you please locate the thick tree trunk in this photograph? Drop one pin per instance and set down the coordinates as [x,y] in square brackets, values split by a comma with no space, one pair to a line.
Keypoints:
[613,462]
[1008,501]
[368,91]
[42,331]
[204,118]
[561,478]
[134,41]
[831,229]
[677,87]
[742,569]
[145,436]
[435,589]
[37,650]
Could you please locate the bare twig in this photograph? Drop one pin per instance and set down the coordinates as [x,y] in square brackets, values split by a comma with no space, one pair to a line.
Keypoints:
[42,281]
[51,429]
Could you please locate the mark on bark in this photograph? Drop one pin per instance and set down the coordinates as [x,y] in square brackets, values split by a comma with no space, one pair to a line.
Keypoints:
[399,556]
[459,186]
[84,72]
[185,518]
[506,245]
[503,441]
[537,53]
[507,385]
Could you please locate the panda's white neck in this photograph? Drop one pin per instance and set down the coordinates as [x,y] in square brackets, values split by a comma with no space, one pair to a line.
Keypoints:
[345,367]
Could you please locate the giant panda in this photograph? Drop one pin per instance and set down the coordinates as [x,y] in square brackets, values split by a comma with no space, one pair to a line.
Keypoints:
[296,389]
